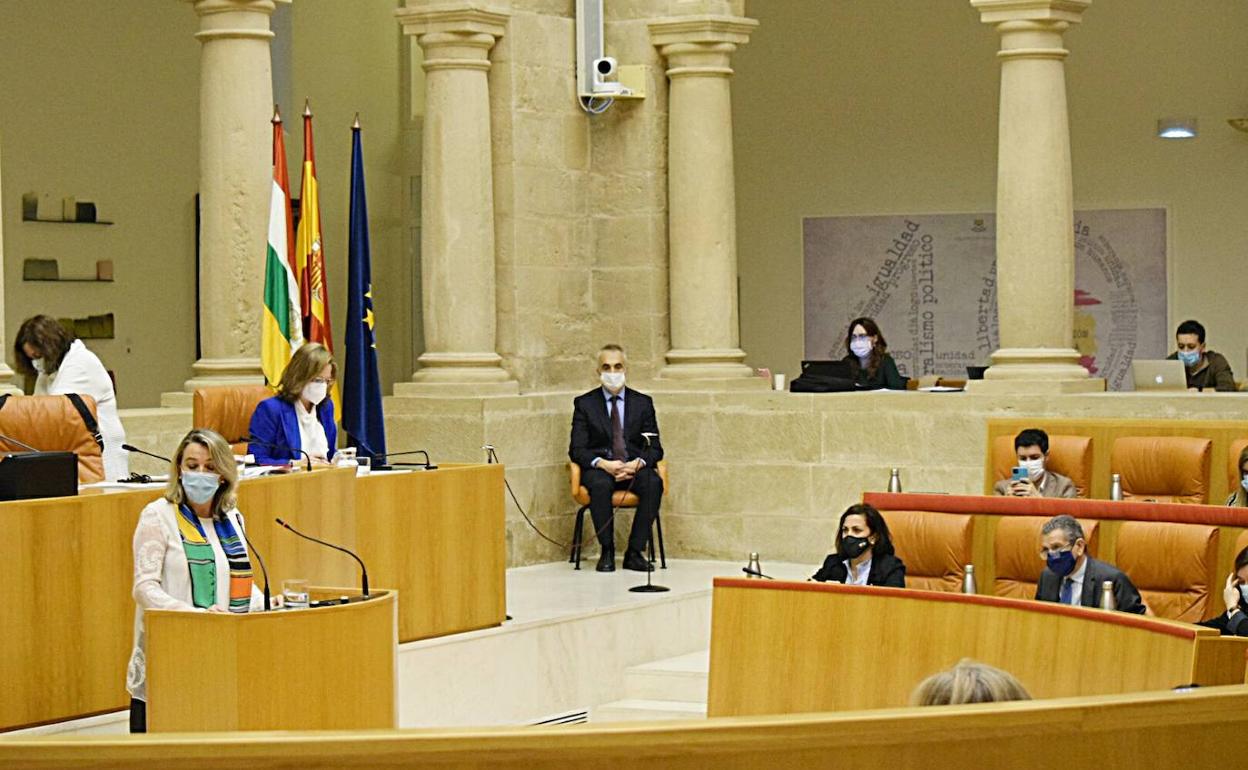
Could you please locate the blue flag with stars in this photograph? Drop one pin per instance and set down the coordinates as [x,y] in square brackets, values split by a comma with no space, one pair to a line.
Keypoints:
[361,390]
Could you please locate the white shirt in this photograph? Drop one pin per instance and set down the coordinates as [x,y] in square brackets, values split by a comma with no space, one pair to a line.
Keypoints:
[1076,581]
[162,579]
[81,372]
[859,577]
[311,433]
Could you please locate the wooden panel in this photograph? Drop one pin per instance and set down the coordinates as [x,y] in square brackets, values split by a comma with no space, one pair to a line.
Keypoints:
[318,669]
[785,648]
[1202,728]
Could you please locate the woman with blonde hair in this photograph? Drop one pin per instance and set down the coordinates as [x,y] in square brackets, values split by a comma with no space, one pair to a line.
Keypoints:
[301,415]
[968,682]
[189,550]
[1239,498]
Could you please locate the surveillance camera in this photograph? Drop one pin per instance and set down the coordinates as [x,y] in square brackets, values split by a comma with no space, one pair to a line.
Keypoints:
[605,67]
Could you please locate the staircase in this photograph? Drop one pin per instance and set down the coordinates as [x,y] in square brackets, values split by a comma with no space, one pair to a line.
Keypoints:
[673,688]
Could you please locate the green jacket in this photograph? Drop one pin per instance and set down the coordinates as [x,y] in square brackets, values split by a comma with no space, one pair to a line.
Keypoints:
[1214,372]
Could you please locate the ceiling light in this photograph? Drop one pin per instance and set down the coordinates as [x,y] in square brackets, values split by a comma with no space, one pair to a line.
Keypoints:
[1176,128]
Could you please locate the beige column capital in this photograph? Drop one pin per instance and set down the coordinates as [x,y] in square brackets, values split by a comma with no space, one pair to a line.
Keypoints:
[1063,12]
[452,20]
[681,34]
[234,18]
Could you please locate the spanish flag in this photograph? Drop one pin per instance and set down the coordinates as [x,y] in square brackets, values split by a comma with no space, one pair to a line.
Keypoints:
[282,327]
[310,257]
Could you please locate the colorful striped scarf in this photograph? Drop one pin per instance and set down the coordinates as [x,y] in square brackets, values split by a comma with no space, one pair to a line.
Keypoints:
[203,563]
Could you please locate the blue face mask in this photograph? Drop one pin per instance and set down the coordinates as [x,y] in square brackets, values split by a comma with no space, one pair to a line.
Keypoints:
[1061,563]
[1244,483]
[1189,357]
[200,487]
[1243,591]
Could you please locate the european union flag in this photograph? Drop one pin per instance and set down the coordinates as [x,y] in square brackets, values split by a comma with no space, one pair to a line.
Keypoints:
[361,391]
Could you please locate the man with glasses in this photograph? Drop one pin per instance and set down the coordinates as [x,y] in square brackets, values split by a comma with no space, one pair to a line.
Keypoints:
[1072,577]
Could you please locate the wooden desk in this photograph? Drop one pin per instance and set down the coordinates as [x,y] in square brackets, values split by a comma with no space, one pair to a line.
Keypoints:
[784,648]
[66,570]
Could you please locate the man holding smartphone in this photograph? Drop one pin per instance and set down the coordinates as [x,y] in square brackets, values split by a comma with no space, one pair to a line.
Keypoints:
[1030,478]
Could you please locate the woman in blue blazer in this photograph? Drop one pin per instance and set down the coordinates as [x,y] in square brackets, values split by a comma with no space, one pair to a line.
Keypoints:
[301,415]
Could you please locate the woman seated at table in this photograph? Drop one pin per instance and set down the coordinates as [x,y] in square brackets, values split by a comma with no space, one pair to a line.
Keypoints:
[870,365]
[189,553]
[1234,622]
[863,552]
[301,415]
[63,365]
[1239,498]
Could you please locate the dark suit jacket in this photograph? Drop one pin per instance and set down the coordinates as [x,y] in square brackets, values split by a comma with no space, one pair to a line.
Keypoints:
[886,570]
[276,423]
[1128,599]
[1237,626]
[591,428]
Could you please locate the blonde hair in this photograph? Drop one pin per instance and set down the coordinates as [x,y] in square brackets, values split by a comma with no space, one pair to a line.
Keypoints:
[968,682]
[223,464]
[305,365]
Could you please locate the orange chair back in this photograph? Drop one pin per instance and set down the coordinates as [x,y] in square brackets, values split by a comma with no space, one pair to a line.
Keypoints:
[227,410]
[936,547]
[1172,565]
[1167,469]
[1070,456]
[621,498]
[51,423]
[1016,553]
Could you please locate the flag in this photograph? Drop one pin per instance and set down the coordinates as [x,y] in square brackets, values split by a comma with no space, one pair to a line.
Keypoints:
[361,388]
[310,258]
[281,331]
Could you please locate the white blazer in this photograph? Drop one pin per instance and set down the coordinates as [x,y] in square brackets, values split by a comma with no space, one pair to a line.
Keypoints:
[81,372]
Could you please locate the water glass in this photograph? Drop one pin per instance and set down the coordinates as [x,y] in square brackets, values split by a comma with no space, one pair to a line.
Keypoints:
[295,593]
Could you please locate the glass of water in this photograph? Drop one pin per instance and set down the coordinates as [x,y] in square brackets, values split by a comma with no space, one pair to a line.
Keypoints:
[345,457]
[295,593]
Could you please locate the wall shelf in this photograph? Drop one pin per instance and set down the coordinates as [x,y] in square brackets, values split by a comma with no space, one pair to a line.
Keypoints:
[67,280]
[68,221]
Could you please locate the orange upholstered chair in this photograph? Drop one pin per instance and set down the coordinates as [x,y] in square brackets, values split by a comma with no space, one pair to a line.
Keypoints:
[227,410]
[621,499]
[936,547]
[1016,553]
[1165,469]
[1173,566]
[51,423]
[1070,456]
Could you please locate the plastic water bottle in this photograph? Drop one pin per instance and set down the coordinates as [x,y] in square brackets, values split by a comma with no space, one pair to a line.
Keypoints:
[968,580]
[1108,602]
[1115,487]
[894,480]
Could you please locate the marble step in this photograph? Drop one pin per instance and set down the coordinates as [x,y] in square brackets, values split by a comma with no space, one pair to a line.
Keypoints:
[642,710]
[682,678]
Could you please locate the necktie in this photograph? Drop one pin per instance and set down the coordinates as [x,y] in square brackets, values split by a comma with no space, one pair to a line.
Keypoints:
[1068,588]
[618,449]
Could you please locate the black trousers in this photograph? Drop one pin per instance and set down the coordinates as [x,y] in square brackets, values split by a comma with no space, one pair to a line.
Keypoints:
[138,716]
[602,485]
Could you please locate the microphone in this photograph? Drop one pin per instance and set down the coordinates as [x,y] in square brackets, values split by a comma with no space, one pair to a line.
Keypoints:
[270,445]
[427,465]
[363,571]
[136,450]
[756,573]
[490,457]
[263,571]
[22,444]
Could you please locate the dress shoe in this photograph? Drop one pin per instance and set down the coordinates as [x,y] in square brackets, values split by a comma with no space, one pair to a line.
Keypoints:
[606,562]
[637,562]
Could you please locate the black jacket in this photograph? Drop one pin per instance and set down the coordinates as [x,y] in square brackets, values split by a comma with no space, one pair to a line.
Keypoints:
[1128,599]
[886,570]
[886,376]
[1236,626]
[591,428]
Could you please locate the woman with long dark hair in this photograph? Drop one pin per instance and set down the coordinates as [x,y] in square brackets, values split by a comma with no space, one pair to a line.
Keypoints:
[870,364]
[863,552]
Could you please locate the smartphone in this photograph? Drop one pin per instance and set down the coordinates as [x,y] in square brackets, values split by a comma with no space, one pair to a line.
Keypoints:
[1020,474]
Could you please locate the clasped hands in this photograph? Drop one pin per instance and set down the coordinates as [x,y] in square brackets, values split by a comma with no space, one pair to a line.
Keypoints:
[621,471]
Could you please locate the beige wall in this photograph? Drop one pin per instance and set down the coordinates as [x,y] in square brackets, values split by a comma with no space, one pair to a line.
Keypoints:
[889,106]
[99,101]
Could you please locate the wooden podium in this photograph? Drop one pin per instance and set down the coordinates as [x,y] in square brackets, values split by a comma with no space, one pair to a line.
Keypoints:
[316,669]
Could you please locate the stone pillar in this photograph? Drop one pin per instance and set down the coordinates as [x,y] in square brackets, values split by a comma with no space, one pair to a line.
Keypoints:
[235,178]
[702,217]
[7,384]
[457,201]
[1035,209]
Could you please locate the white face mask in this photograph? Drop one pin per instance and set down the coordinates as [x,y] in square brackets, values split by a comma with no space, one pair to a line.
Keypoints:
[613,380]
[860,348]
[1034,467]
[37,364]
[314,392]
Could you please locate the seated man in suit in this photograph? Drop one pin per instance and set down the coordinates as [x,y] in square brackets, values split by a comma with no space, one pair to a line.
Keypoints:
[1032,448]
[615,440]
[1072,577]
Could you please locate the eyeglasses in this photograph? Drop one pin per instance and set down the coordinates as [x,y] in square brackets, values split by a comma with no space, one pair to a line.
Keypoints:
[855,337]
[321,381]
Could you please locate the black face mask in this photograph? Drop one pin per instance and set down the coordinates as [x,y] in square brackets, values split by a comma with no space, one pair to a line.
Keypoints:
[852,547]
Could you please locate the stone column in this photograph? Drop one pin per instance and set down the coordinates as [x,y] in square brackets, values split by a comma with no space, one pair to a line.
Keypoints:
[702,217]
[1035,210]
[7,384]
[235,177]
[457,201]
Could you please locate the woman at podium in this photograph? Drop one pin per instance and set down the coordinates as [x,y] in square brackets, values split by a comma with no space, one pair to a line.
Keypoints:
[63,365]
[863,552]
[300,418]
[189,553]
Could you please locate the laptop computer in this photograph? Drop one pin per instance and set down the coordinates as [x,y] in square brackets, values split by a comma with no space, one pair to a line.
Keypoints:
[28,475]
[838,369]
[1159,375]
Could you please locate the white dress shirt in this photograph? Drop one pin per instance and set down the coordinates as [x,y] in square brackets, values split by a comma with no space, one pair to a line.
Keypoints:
[81,372]
[311,432]
[857,577]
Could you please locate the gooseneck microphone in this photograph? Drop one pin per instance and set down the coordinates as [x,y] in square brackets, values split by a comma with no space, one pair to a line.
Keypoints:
[271,445]
[22,444]
[136,450]
[756,573]
[263,570]
[427,464]
[363,571]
